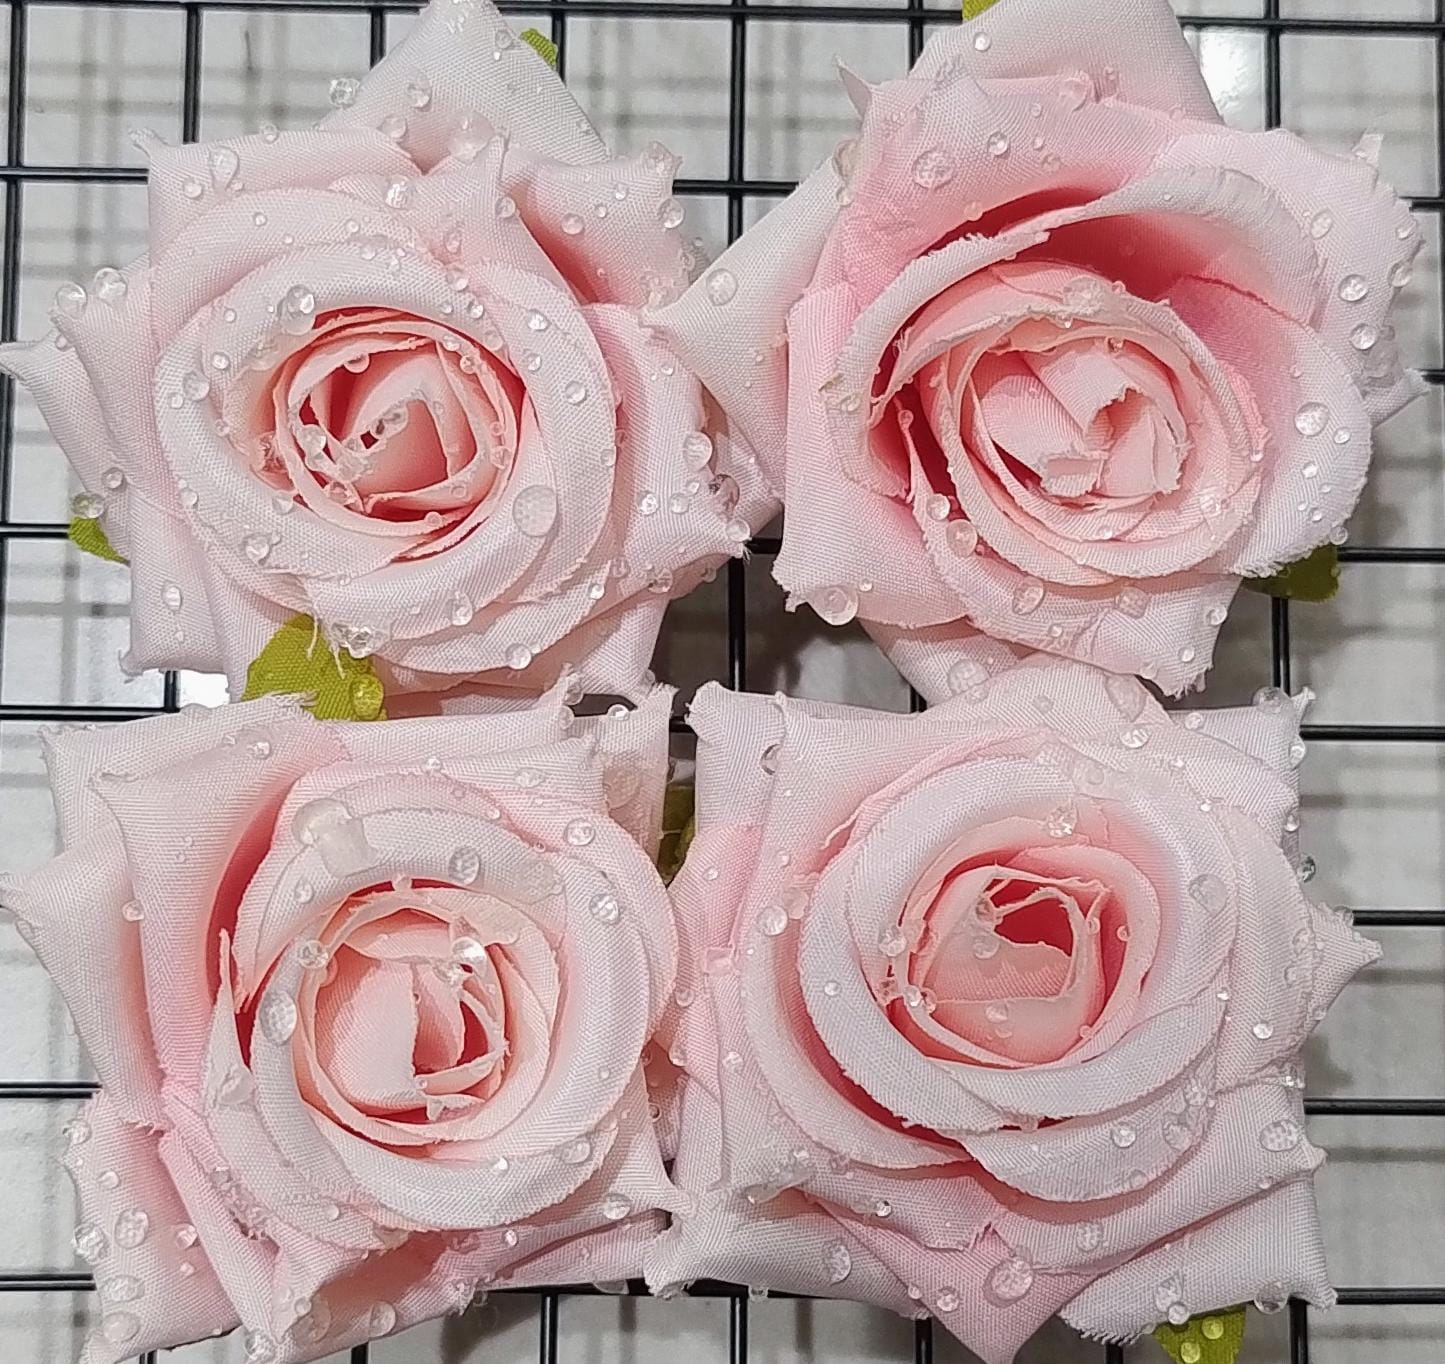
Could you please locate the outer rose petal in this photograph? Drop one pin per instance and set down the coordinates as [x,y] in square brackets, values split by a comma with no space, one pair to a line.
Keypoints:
[1136,48]
[1269,1247]
[770,265]
[462,60]
[98,970]
[181,1303]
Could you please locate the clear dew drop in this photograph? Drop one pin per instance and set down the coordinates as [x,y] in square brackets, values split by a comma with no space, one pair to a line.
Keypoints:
[90,1243]
[223,163]
[574,393]
[573,225]
[721,286]
[192,188]
[1311,419]
[109,285]
[1089,1236]
[1271,1298]
[1263,1030]
[837,1262]
[1271,700]
[772,920]
[934,168]
[670,213]
[87,506]
[1321,224]
[1354,288]
[962,537]
[1401,273]
[616,1207]
[518,657]
[119,1328]
[342,92]
[1283,1135]
[171,596]
[1128,695]
[577,1152]
[256,547]
[982,42]
[696,449]
[418,93]
[132,1226]
[1009,1280]
[464,866]
[276,1016]
[1123,1135]
[1027,596]
[71,299]
[121,1288]
[998,145]
[1364,336]
[534,510]
[836,605]
[579,833]
[381,1319]
[604,907]
[946,1300]
[296,310]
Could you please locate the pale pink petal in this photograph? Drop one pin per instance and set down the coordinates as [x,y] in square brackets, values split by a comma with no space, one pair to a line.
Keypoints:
[179,1297]
[728,327]
[462,60]
[1269,1247]
[1135,51]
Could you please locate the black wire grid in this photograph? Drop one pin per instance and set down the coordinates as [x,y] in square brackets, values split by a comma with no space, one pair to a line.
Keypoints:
[735,187]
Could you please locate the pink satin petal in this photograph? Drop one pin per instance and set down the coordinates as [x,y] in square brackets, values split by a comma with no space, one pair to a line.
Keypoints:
[182,1304]
[1270,1247]
[470,62]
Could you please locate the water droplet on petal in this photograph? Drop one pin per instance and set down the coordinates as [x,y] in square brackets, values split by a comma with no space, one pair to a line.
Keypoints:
[1311,419]
[577,1152]
[604,907]
[276,1016]
[1353,288]
[616,1206]
[119,1328]
[1123,1135]
[836,605]
[1009,1280]
[1283,1135]
[574,393]
[934,168]
[721,286]
[534,510]
[343,91]
[998,144]
[1027,596]
[1263,1030]
[518,656]
[132,1226]
[1321,224]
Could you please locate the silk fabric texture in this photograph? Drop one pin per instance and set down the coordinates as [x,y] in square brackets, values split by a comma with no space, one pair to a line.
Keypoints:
[1076,354]
[390,372]
[994,1012]
[368,1005]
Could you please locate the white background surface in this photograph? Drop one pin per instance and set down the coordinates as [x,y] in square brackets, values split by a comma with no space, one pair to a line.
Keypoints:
[1372,813]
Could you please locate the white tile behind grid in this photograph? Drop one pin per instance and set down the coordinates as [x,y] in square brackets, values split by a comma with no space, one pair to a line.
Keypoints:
[95,74]
[1372,812]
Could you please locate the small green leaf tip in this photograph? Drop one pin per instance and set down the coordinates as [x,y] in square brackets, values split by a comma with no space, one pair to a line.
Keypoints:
[1314,578]
[298,660]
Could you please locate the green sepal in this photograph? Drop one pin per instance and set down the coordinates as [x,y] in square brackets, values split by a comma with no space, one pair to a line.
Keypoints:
[298,660]
[542,45]
[678,826]
[1314,578]
[85,533]
[1210,1338]
[973,8]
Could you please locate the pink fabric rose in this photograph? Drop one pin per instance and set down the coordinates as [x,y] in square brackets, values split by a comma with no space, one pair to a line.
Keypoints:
[1072,354]
[368,1005]
[994,1011]
[389,372]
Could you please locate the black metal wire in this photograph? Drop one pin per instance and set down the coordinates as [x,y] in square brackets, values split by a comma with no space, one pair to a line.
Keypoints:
[736,186]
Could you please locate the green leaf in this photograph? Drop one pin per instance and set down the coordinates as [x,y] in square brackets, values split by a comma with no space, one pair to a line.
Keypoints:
[678,827]
[973,8]
[297,659]
[544,46]
[1315,578]
[85,533]
[1213,1338]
